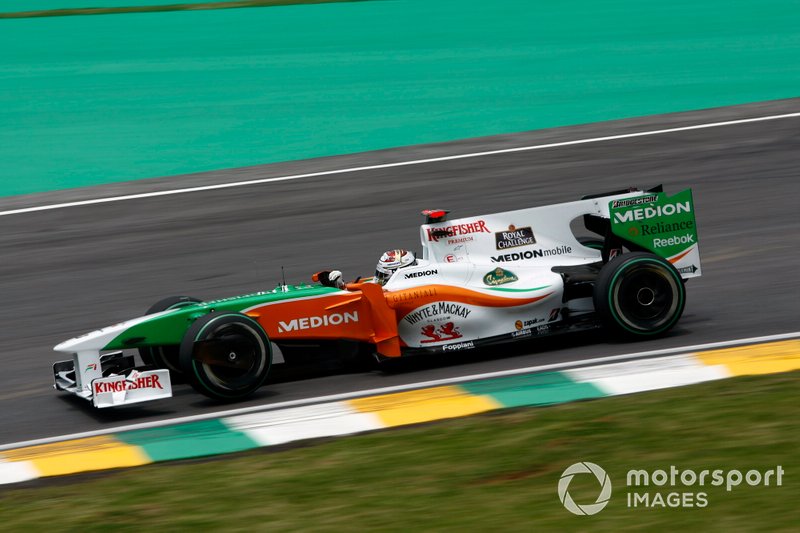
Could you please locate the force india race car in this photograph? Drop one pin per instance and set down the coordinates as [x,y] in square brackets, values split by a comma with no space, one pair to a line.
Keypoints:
[480,280]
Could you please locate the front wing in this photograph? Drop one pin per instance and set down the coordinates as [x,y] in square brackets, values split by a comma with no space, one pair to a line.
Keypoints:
[110,379]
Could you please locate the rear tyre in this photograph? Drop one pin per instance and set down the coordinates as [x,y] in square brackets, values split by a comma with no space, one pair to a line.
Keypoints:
[639,294]
[166,356]
[226,356]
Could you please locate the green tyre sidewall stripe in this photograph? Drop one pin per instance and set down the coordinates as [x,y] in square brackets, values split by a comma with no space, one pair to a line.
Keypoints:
[681,297]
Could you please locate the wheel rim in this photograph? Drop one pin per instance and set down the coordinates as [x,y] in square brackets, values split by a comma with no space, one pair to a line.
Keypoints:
[232,356]
[646,297]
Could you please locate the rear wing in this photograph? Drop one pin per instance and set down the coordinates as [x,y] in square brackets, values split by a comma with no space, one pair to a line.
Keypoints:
[662,224]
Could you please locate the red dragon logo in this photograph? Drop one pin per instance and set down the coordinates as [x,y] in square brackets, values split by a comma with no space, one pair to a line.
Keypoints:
[446,332]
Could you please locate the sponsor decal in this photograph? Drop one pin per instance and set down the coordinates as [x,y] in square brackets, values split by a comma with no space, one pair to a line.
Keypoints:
[520,324]
[210,303]
[145,382]
[437,309]
[543,329]
[521,333]
[421,273]
[514,237]
[445,332]
[312,322]
[665,226]
[662,227]
[459,346]
[655,211]
[411,294]
[453,258]
[532,254]
[498,276]
[672,241]
[456,232]
[634,201]
[553,315]
[691,269]
[91,366]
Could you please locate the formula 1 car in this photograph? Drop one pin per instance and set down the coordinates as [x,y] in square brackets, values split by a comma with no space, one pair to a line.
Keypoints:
[480,280]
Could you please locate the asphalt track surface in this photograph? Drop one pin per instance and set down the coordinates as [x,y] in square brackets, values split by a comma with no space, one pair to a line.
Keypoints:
[70,270]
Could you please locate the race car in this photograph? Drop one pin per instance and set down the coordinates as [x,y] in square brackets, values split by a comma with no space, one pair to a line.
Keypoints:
[479,281]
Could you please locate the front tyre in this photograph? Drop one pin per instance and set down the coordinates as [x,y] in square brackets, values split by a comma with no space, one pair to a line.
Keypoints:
[165,356]
[226,356]
[639,294]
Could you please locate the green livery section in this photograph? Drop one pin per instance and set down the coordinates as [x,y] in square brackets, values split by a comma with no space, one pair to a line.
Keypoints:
[168,327]
[664,225]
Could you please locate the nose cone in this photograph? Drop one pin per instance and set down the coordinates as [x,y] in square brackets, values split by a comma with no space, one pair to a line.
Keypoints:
[96,340]
[99,339]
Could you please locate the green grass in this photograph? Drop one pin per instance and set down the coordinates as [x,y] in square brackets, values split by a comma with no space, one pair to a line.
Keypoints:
[495,471]
[188,6]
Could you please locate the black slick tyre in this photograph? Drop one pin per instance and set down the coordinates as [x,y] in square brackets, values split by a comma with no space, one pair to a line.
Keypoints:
[226,356]
[639,294]
[165,356]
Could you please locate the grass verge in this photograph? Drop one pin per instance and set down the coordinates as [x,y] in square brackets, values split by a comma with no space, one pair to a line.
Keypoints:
[493,471]
[156,9]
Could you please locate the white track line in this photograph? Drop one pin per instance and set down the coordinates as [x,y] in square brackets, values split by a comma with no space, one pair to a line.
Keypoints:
[407,387]
[394,165]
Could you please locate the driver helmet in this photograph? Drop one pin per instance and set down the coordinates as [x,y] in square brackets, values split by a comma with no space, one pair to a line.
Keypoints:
[390,261]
